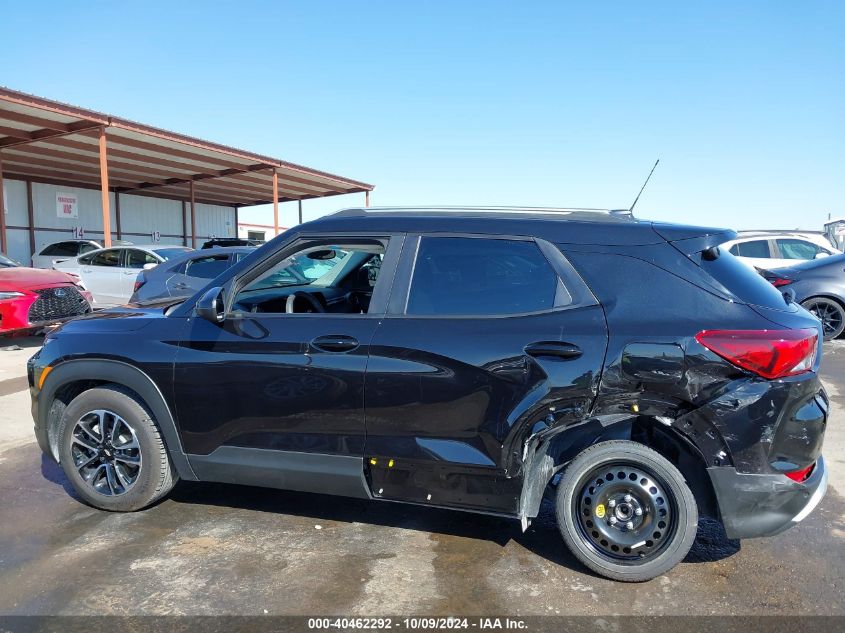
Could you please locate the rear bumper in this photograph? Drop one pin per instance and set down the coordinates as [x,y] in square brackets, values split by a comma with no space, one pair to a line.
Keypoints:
[763,505]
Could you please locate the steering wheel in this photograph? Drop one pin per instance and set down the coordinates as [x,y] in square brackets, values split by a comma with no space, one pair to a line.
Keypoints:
[316,306]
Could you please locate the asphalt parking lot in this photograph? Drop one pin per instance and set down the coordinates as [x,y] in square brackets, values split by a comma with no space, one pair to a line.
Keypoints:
[219,549]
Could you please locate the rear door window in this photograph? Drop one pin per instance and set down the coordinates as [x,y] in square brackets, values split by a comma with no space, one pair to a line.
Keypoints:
[62,249]
[754,248]
[207,267]
[456,276]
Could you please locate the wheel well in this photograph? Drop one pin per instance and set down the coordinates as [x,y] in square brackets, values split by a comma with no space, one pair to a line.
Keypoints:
[674,447]
[63,396]
[667,441]
[837,300]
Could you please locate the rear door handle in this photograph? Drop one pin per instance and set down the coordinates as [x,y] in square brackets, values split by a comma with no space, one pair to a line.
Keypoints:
[564,351]
[335,343]
[181,286]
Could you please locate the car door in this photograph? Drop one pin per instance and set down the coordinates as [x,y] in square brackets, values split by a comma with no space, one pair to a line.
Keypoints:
[273,398]
[102,274]
[792,251]
[483,340]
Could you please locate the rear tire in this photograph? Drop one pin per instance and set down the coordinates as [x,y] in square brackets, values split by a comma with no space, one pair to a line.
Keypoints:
[625,511]
[831,313]
[112,452]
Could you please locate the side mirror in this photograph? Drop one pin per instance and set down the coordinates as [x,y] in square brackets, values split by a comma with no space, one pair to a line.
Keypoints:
[211,306]
[821,255]
[149,266]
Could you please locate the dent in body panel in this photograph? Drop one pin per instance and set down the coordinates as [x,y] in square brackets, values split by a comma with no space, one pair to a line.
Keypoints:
[474,385]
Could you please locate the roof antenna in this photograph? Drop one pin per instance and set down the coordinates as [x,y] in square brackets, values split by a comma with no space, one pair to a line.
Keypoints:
[631,209]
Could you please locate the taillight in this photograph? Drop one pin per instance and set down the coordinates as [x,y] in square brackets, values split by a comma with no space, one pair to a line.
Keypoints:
[139,282]
[769,353]
[781,281]
[801,475]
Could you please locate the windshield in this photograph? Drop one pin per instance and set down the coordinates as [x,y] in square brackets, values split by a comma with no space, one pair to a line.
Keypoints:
[312,267]
[5,262]
[170,253]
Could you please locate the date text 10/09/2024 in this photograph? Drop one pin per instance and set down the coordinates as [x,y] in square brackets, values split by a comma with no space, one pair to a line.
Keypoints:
[423,623]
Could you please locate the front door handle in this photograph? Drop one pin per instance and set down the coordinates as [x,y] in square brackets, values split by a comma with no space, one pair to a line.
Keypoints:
[556,349]
[335,343]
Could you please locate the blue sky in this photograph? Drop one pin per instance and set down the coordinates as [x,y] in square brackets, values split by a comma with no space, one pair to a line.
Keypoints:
[536,103]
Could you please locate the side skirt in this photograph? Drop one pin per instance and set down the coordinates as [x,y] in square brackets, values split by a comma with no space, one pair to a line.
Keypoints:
[320,473]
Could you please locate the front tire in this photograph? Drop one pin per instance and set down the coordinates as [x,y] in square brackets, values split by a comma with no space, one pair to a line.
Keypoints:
[625,511]
[112,452]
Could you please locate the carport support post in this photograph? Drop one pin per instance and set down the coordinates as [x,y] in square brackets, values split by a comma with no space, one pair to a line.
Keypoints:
[275,203]
[366,198]
[104,189]
[2,211]
[300,210]
[193,217]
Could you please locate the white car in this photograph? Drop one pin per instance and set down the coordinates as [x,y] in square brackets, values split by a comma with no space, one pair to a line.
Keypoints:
[110,273]
[53,254]
[777,250]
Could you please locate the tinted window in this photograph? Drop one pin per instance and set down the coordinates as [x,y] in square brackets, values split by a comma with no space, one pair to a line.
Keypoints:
[104,258]
[465,276]
[797,249]
[742,281]
[207,267]
[62,249]
[755,248]
[86,248]
[138,259]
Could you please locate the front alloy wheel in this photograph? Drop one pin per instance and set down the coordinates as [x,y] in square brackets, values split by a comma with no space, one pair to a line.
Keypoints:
[105,452]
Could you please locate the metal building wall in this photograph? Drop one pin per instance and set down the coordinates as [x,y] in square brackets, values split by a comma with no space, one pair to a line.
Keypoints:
[215,221]
[17,220]
[141,216]
[51,228]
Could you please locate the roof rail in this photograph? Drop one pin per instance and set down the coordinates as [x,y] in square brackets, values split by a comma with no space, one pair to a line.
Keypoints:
[356,211]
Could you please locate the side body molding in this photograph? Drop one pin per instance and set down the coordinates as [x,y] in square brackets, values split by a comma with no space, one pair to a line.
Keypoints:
[129,376]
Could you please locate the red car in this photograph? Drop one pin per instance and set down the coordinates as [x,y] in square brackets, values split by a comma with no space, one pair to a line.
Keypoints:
[31,298]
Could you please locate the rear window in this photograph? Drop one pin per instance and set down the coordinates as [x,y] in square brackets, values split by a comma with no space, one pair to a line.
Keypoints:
[742,281]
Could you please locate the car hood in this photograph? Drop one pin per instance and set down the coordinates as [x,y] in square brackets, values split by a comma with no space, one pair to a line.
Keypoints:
[126,318]
[23,278]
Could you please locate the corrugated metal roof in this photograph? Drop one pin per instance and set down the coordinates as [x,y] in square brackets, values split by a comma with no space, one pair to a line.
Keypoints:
[49,141]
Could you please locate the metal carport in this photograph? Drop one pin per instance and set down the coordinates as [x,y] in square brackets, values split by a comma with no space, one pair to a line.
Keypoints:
[44,141]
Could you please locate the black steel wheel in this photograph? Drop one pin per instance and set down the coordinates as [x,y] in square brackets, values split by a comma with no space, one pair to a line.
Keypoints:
[830,313]
[625,511]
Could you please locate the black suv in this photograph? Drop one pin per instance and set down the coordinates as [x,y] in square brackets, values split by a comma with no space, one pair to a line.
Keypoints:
[475,359]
